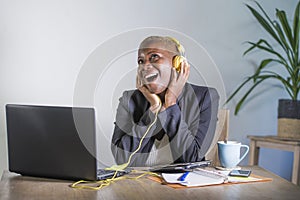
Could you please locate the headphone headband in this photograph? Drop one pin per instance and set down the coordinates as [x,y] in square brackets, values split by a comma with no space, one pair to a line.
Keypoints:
[179,47]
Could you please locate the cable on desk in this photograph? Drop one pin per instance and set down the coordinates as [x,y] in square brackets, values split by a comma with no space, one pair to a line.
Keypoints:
[117,168]
[107,182]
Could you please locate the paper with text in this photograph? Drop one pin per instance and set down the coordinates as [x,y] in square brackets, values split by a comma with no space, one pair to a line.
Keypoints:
[195,178]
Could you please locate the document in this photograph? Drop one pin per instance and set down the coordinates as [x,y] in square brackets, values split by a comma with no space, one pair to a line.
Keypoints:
[199,177]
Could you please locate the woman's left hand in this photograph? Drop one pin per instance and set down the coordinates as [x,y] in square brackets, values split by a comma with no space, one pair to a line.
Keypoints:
[177,82]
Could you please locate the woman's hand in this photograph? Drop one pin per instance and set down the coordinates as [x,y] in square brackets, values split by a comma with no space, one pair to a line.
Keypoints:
[153,99]
[176,84]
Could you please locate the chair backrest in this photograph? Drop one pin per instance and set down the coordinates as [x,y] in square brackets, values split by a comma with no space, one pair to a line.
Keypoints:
[221,134]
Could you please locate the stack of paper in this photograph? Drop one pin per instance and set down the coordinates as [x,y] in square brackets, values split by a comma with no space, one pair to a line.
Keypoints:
[198,177]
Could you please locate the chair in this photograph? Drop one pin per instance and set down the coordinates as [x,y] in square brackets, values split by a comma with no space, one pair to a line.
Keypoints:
[221,134]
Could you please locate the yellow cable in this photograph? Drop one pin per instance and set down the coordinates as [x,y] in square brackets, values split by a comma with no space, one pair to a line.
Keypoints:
[117,168]
[107,182]
[123,166]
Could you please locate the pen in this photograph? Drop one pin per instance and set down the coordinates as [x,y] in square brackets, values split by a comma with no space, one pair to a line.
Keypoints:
[182,178]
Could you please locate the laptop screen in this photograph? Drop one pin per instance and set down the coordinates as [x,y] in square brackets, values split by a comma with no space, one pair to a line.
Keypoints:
[49,141]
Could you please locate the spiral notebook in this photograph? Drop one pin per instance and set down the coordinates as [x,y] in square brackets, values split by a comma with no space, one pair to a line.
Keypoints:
[205,177]
[199,177]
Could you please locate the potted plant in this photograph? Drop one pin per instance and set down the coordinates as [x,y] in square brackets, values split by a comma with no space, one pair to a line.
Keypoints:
[283,54]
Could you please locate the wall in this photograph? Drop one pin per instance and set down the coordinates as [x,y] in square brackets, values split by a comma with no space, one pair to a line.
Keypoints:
[45,44]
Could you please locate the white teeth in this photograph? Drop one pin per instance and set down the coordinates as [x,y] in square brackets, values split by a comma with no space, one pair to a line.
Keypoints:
[150,75]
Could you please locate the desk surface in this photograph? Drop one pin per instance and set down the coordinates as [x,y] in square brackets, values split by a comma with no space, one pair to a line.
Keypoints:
[13,186]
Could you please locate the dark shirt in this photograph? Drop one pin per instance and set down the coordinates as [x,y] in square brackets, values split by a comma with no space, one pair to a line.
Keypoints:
[189,124]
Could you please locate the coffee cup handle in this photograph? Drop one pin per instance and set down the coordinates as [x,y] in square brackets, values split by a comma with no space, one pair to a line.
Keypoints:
[244,155]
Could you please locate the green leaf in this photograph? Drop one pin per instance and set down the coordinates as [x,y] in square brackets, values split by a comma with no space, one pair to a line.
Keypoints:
[261,41]
[296,27]
[285,25]
[266,24]
[286,45]
[268,50]
[263,64]
[261,8]
[286,84]
[261,78]
[240,103]
[238,89]
[279,77]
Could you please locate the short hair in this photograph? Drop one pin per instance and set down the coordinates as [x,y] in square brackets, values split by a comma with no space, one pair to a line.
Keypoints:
[167,41]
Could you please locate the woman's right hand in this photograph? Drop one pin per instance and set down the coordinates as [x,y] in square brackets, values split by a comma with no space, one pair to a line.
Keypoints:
[153,99]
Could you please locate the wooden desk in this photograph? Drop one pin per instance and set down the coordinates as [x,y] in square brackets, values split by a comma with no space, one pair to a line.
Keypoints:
[277,143]
[15,187]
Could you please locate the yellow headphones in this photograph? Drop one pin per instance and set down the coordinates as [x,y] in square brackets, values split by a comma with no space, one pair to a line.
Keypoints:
[177,60]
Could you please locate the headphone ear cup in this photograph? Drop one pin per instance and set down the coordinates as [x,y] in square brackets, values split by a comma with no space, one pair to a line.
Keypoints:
[177,60]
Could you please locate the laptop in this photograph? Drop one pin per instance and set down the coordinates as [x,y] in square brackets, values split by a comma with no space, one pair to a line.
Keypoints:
[54,142]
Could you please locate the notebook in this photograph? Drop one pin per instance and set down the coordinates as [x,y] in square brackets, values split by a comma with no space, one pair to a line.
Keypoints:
[198,177]
[53,142]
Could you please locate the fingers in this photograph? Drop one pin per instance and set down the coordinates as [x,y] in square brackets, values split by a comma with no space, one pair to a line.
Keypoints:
[138,82]
[153,99]
[184,71]
[180,77]
[174,75]
[140,86]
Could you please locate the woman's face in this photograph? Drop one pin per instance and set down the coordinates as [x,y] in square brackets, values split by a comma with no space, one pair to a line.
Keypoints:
[155,64]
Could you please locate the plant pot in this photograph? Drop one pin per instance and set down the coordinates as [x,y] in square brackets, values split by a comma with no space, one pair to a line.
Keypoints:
[288,118]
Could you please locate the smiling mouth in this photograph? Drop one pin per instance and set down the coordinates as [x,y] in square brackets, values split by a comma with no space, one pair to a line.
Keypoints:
[151,77]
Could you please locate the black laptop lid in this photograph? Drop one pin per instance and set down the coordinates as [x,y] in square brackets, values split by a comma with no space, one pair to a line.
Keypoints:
[44,141]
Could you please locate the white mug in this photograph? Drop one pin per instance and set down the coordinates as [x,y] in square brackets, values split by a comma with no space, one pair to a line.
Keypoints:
[230,153]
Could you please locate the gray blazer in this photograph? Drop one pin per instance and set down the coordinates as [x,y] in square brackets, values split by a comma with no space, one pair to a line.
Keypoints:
[190,125]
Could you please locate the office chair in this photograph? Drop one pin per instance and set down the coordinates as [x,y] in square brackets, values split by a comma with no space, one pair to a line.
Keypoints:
[221,134]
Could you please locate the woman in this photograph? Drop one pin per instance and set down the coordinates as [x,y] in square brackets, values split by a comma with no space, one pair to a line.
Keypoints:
[186,113]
